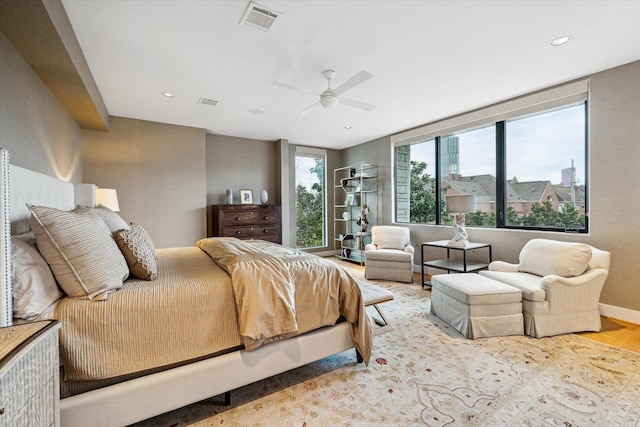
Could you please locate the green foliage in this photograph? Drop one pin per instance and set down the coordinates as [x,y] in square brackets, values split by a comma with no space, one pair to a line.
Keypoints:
[480,219]
[310,211]
[543,215]
[423,195]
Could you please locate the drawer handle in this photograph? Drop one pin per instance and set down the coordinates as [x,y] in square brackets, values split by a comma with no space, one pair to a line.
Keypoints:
[266,231]
[1,411]
[266,218]
[237,218]
[238,232]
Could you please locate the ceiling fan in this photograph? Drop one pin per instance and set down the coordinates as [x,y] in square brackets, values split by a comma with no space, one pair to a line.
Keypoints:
[330,98]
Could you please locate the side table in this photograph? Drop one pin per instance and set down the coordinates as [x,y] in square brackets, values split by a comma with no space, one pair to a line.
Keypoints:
[29,375]
[454,264]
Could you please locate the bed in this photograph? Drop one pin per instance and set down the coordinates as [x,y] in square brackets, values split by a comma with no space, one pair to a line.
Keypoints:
[140,366]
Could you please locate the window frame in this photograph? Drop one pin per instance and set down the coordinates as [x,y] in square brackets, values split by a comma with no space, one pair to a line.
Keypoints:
[313,153]
[559,97]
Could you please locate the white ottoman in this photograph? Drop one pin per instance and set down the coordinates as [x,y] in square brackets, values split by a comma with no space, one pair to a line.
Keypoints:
[477,306]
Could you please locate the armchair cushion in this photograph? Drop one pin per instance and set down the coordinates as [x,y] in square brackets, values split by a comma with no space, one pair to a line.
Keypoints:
[390,237]
[544,257]
[389,255]
[529,284]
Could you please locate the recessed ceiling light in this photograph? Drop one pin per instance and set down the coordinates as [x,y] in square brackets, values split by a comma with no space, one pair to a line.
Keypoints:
[560,41]
[347,127]
[256,111]
[168,94]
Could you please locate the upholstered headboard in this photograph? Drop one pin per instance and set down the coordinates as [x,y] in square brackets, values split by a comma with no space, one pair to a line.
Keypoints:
[20,186]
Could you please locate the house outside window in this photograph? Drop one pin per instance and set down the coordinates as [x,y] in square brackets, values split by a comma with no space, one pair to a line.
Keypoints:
[310,176]
[525,161]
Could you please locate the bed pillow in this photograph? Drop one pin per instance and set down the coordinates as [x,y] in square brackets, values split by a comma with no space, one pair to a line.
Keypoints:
[112,219]
[140,257]
[84,258]
[143,233]
[33,285]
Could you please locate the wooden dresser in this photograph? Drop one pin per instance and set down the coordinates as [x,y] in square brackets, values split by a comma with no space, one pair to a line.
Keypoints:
[247,222]
[29,375]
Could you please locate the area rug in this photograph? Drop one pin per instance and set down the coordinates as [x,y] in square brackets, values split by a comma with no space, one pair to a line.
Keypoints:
[424,373]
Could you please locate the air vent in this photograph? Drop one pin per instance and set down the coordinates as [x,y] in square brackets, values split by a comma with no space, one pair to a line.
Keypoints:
[259,18]
[206,101]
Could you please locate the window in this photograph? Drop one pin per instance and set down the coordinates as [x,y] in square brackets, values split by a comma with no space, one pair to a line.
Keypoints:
[545,170]
[525,160]
[468,162]
[415,182]
[310,173]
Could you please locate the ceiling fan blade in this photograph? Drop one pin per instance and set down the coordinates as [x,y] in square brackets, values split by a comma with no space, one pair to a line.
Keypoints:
[357,104]
[286,86]
[354,81]
[309,108]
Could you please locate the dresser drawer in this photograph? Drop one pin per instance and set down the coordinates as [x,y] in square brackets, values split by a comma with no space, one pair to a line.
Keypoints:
[234,218]
[263,222]
[250,232]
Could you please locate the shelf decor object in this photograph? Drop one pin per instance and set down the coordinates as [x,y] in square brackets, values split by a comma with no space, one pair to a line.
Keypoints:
[460,205]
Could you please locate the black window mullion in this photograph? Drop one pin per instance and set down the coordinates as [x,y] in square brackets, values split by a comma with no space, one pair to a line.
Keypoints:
[501,181]
[438,181]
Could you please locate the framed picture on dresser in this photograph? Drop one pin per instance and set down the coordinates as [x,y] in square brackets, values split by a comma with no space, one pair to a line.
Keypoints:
[246,197]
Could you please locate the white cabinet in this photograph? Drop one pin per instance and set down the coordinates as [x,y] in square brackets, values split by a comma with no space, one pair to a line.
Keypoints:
[29,375]
[355,210]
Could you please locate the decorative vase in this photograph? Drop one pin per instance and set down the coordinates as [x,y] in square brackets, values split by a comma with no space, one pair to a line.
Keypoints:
[264,197]
[346,216]
[229,196]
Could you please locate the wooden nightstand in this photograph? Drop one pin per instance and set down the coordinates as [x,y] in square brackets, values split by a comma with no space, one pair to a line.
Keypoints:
[29,375]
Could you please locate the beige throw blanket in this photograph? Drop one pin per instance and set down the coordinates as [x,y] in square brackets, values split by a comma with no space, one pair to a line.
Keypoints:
[280,292]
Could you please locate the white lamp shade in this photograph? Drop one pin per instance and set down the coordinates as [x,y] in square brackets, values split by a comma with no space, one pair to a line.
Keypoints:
[461,204]
[107,197]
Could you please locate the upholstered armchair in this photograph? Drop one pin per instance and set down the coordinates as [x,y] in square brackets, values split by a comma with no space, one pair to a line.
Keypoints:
[389,256]
[560,283]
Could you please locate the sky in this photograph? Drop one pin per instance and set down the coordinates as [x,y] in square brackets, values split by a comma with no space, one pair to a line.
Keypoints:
[538,147]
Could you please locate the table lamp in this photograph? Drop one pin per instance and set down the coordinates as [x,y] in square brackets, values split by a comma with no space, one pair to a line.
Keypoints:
[459,205]
[107,197]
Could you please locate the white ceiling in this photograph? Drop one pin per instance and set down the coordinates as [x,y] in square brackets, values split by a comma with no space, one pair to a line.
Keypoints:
[429,59]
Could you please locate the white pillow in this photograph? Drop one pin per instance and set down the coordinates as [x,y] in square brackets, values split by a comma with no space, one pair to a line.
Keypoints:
[33,285]
[84,258]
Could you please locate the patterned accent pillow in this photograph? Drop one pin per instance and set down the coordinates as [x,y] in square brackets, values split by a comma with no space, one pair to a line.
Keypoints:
[140,257]
[112,219]
[84,258]
[143,233]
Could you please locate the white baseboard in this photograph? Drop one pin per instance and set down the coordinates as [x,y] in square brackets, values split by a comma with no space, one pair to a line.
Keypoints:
[620,313]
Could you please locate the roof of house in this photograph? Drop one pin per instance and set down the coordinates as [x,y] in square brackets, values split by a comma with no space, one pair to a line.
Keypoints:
[526,191]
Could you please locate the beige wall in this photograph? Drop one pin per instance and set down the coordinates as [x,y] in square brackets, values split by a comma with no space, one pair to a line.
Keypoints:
[614,135]
[34,127]
[240,163]
[159,171]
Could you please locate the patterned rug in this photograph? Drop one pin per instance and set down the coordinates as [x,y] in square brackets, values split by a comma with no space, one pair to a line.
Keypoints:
[424,373]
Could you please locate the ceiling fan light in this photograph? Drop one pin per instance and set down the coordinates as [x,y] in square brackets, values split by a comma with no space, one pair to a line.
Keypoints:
[328,100]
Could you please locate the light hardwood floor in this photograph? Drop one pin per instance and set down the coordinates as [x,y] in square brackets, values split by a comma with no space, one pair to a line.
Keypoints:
[617,333]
